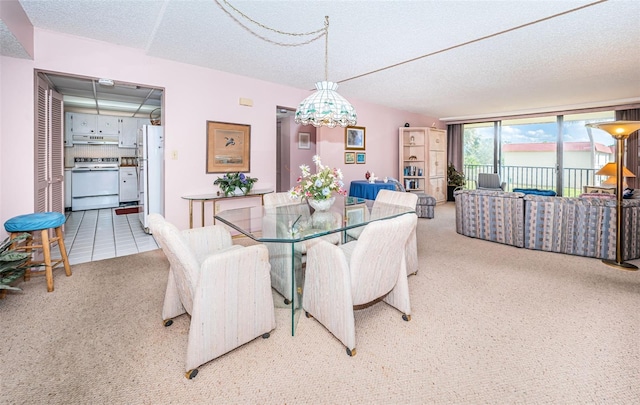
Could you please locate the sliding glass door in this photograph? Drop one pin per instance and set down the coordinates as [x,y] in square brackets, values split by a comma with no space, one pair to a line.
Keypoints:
[547,152]
[530,153]
[479,150]
[585,151]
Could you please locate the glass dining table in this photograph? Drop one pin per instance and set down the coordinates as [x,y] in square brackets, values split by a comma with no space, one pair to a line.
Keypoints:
[297,223]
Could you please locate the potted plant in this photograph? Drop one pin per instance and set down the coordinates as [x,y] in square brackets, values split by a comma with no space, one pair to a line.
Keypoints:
[235,183]
[455,180]
[12,263]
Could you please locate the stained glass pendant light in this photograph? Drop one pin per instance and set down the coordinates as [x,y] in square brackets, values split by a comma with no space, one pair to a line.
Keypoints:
[325,107]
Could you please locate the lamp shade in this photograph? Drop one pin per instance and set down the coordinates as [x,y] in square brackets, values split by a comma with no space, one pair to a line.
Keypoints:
[613,181]
[617,129]
[610,169]
[326,108]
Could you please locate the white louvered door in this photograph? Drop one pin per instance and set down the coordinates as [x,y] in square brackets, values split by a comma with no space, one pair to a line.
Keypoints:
[49,163]
[56,147]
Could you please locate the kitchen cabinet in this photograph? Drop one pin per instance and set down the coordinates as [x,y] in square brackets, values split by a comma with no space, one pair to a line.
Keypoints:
[423,161]
[108,125]
[68,132]
[128,184]
[81,124]
[129,128]
[67,188]
[143,121]
[128,132]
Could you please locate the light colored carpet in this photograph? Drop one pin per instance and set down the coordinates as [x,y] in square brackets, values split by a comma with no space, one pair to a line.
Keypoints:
[490,324]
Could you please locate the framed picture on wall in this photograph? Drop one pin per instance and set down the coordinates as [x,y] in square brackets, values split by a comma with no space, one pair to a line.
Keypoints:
[228,147]
[349,157]
[354,138]
[361,157]
[304,140]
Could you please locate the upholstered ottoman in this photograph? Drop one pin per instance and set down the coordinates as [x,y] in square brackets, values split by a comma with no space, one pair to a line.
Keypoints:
[425,207]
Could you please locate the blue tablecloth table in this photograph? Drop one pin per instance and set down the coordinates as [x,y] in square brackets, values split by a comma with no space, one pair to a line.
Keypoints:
[369,191]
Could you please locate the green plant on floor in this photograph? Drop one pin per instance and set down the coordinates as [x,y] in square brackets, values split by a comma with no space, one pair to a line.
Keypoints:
[454,177]
[12,263]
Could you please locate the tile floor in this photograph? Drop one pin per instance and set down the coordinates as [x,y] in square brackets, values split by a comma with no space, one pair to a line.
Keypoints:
[101,234]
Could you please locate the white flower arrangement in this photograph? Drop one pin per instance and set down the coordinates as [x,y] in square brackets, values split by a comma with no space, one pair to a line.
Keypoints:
[320,185]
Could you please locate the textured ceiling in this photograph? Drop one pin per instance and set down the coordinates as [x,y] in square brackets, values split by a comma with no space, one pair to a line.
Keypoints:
[448,59]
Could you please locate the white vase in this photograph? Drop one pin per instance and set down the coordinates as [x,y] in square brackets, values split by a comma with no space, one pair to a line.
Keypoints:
[236,191]
[322,205]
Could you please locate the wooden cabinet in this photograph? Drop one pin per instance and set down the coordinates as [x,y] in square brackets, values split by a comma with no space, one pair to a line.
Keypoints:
[423,161]
[413,158]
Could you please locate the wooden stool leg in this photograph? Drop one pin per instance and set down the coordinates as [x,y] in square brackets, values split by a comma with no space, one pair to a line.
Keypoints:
[63,251]
[28,249]
[46,248]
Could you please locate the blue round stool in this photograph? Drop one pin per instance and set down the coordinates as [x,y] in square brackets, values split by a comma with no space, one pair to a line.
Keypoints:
[41,222]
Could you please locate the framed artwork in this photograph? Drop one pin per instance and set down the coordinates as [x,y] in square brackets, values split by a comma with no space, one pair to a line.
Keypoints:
[361,157]
[354,214]
[228,147]
[354,138]
[349,157]
[304,140]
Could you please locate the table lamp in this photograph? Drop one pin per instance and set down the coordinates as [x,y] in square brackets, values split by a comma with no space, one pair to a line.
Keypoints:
[611,170]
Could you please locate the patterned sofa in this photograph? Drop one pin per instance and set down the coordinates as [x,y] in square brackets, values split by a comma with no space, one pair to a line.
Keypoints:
[577,226]
[497,216]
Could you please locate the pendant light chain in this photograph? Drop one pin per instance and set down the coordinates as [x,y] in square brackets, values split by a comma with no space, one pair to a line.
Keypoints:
[325,107]
[319,32]
[326,48]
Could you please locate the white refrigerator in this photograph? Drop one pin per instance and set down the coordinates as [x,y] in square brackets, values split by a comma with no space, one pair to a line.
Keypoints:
[150,144]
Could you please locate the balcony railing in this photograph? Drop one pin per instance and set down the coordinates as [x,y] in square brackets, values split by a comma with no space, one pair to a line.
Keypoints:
[543,178]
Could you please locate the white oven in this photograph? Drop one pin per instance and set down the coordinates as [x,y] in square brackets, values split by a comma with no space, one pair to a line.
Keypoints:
[94,184]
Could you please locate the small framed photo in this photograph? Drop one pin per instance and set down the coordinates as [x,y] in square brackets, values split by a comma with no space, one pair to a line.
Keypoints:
[349,158]
[304,140]
[354,214]
[354,138]
[361,157]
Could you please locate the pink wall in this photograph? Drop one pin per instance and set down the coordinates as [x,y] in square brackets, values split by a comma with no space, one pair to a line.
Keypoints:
[193,95]
[12,14]
[300,156]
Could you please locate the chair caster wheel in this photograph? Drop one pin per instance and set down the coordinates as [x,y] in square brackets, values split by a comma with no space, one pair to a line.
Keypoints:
[308,315]
[266,335]
[406,317]
[191,374]
[167,322]
[287,301]
[350,352]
